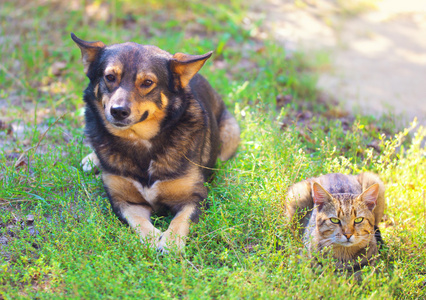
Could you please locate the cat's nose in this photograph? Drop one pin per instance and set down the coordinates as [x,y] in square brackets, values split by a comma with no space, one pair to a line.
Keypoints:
[348,235]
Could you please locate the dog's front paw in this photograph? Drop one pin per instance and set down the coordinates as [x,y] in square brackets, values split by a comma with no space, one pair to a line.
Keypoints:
[170,242]
[90,163]
[152,238]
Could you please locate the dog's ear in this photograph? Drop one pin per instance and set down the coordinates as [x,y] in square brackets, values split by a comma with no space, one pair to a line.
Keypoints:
[89,50]
[185,66]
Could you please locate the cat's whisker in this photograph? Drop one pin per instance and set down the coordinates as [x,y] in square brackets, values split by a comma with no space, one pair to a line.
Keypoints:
[326,243]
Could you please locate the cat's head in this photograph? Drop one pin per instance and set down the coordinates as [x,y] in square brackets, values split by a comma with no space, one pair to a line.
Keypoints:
[345,219]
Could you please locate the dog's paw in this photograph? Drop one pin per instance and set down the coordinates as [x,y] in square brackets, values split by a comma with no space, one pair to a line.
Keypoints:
[170,242]
[152,238]
[90,163]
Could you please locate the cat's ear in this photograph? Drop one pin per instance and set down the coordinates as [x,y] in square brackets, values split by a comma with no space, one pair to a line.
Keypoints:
[320,195]
[369,196]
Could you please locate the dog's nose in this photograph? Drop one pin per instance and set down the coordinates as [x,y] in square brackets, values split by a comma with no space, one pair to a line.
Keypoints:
[120,112]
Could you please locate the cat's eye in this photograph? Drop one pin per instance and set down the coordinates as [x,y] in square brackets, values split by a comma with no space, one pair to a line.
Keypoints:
[358,220]
[334,220]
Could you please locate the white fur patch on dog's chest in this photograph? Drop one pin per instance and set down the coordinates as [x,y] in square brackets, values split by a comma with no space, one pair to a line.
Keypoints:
[148,193]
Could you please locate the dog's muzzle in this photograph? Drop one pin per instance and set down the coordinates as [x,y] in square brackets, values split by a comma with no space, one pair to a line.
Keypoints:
[120,113]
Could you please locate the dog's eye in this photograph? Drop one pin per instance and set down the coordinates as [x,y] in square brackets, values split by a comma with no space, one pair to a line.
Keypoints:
[147,83]
[110,78]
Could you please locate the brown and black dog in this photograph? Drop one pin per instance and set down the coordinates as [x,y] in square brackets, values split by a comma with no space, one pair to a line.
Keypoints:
[157,128]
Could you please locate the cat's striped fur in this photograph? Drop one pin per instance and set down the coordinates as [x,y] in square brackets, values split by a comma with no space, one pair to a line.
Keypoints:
[339,213]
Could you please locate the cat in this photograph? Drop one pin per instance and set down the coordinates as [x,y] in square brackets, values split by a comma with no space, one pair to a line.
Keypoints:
[340,213]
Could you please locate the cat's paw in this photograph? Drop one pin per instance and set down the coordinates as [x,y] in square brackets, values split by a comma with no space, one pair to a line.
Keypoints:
[91,163]
[170,242]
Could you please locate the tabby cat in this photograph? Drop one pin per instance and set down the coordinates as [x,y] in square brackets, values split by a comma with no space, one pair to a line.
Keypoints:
[340,213]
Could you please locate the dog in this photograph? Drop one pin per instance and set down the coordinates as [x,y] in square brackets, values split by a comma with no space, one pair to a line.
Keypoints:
[157,128]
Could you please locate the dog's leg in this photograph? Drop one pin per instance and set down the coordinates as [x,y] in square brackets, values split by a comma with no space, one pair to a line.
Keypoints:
[90,162]
[138,217]
[174,237]
[129,205]
[229,132]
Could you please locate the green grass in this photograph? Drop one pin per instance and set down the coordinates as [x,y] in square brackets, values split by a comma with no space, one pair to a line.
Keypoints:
[242,246]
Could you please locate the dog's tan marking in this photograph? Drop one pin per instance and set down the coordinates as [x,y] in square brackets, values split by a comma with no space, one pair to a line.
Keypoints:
[141,77]
[125,194]
[105,99]
[96,90]
[146,129]
[138,218]
[114,69]
[150,194]
[229,132]
[148,106]
[147,144]
[113,159]
[122,189]
[175,235]
[164,100]
[174,190]
[183,187]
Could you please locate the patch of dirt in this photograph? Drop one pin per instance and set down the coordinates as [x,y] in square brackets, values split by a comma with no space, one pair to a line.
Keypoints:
[12,231]
[377,49]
